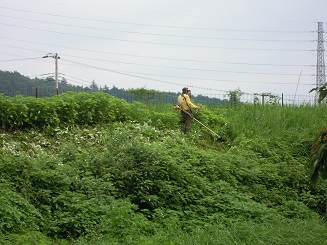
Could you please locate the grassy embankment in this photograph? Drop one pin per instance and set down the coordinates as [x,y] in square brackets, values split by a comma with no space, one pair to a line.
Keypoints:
[92,169]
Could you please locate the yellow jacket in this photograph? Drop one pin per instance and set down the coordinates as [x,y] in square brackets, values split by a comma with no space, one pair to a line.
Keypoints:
[185,102]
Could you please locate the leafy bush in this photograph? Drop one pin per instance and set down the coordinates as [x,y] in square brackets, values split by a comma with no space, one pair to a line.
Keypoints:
[17,214]
[64,110]
[319,155]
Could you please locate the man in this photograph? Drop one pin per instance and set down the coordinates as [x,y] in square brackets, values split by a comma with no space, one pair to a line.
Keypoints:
[186,107]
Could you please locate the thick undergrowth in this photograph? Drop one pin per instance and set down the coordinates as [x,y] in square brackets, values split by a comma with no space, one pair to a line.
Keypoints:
[90,168]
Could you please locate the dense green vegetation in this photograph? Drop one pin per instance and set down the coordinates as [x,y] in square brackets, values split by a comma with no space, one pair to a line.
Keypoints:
[83,168]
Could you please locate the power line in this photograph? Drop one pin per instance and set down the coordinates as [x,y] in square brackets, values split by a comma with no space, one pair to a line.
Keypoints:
[268,59]
[41,75]
[69,76]
[9,54]
[166,14]
[61,75]
[158,43]
[191,69]
[199,61]
[28,49]
[118,72]
[218,80]
[157,34]
[53,77]
[182,68]
[202,70]
[162,81]
[84,82]
[154,57]
[161,26]
[71,80]
[20,59]
[137,76]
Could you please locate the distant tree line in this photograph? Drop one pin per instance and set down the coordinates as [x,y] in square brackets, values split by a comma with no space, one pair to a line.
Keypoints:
[13,83]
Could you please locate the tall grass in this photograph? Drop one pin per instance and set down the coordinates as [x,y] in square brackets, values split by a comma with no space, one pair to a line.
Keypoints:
[279,232]
[286,123]
[282,232]
[283,123]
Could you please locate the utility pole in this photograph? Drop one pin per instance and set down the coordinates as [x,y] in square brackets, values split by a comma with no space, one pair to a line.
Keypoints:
[56,57]
[320,75]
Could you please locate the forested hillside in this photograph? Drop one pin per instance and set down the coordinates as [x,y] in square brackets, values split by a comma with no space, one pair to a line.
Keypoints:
[13,83]
[89,168]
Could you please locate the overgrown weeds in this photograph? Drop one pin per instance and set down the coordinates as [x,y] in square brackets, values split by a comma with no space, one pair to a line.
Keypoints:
[123,173]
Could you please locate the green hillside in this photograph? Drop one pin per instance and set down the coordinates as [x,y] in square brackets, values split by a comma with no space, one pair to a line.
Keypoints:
[14,83]
[83,168]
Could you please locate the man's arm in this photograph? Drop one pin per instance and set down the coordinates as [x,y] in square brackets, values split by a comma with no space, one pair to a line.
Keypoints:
[190,104]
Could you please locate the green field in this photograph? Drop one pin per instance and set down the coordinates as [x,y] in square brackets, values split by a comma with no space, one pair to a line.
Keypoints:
[84,168]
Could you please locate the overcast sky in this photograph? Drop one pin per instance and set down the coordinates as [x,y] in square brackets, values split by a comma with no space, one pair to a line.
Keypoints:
[256,46]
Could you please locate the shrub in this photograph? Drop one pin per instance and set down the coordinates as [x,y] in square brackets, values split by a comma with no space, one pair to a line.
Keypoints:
[17,214]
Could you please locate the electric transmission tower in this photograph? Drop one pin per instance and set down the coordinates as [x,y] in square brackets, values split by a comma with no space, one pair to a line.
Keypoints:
[320,76]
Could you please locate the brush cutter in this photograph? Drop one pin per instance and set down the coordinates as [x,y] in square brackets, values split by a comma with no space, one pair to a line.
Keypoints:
[192,116]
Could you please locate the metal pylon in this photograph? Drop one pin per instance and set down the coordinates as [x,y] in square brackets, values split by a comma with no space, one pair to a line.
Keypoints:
[320,76]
